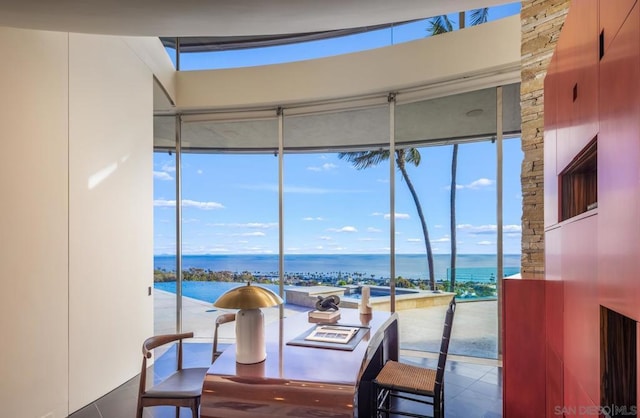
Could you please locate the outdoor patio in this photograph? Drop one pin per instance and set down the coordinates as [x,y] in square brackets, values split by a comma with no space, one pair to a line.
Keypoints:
[474,333]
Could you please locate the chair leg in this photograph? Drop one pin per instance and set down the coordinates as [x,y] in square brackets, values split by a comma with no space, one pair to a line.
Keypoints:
[195,407]
[438,406]
[382,400]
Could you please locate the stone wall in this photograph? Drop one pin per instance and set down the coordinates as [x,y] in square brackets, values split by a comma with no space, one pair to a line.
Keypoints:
[541,21]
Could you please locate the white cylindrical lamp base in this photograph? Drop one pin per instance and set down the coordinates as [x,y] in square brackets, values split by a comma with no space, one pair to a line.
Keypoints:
[250,347]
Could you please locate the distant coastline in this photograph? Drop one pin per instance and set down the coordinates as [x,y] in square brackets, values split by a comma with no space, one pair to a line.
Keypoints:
[476,267]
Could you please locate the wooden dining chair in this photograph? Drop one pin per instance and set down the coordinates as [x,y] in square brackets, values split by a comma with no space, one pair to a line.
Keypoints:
[414,383]
[221,319]
[182,388]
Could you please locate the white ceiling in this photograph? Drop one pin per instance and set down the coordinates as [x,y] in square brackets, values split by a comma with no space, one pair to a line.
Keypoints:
[219,17]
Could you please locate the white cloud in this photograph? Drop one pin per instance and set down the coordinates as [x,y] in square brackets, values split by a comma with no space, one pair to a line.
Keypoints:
[329,166]
[325,238]
[161,175]
[259,225]
[478,228]
[414,240]
[201,205]
[485,243]
[311,218]
[490,229]
[374,230]
[323,167]
[199,171]
[250,234]
[188,204]
[252,225]
[512,228]
[305,190]
[344,229]
[298,189]
[258,250]
[398,216]
[476,184]
[443,239]
[169,167]
[218,250]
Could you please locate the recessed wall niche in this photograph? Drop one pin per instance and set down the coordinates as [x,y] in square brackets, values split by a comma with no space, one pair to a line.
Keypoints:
[618,364]
[579,183]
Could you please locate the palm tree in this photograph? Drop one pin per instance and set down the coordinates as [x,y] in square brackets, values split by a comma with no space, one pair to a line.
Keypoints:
[438,25]
[366,159]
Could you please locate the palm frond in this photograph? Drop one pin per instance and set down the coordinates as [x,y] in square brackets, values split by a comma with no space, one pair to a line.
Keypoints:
[479,16]
[412,155]
[365,159]
[439,24]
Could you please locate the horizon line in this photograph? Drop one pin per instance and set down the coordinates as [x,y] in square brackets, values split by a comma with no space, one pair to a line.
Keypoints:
[275,255]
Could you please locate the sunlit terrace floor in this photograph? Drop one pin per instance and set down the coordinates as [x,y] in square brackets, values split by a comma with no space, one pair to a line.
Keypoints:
[473,385]
[475,330]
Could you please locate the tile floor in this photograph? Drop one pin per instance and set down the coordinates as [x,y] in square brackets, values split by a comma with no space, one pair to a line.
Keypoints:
[473,387]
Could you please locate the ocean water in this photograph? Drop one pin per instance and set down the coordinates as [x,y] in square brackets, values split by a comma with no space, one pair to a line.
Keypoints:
[206,291]
[476,267]
[470,267]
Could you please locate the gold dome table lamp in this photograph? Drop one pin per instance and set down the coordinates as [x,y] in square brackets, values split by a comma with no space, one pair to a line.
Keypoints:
[250,345]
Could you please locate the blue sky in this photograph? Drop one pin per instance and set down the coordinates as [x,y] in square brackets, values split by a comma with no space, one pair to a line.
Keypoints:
[230,202]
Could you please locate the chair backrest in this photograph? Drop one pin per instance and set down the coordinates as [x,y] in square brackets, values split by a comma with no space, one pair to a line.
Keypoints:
[221,319]
[444,345]
[155,342]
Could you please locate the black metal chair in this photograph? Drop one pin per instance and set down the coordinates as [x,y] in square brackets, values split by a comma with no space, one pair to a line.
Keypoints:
[414,383]
[183,388]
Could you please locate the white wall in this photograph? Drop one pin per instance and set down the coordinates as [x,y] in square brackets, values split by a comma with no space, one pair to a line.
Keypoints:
[491,50]
[33,224]
[76,218]
[110,214]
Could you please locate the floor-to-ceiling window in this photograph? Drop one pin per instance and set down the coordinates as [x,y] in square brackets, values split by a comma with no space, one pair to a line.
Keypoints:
[164,213]
[365,196]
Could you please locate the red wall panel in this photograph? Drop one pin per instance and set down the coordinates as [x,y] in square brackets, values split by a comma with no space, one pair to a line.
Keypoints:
[576,402]
[611,16]
[592,259]
[581,308]
[551,208]
[554,315]
[554,382]
[619,171]
[578,57]
[553,253]
[524,359]
[554,312]
[564,82]
[584,125]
